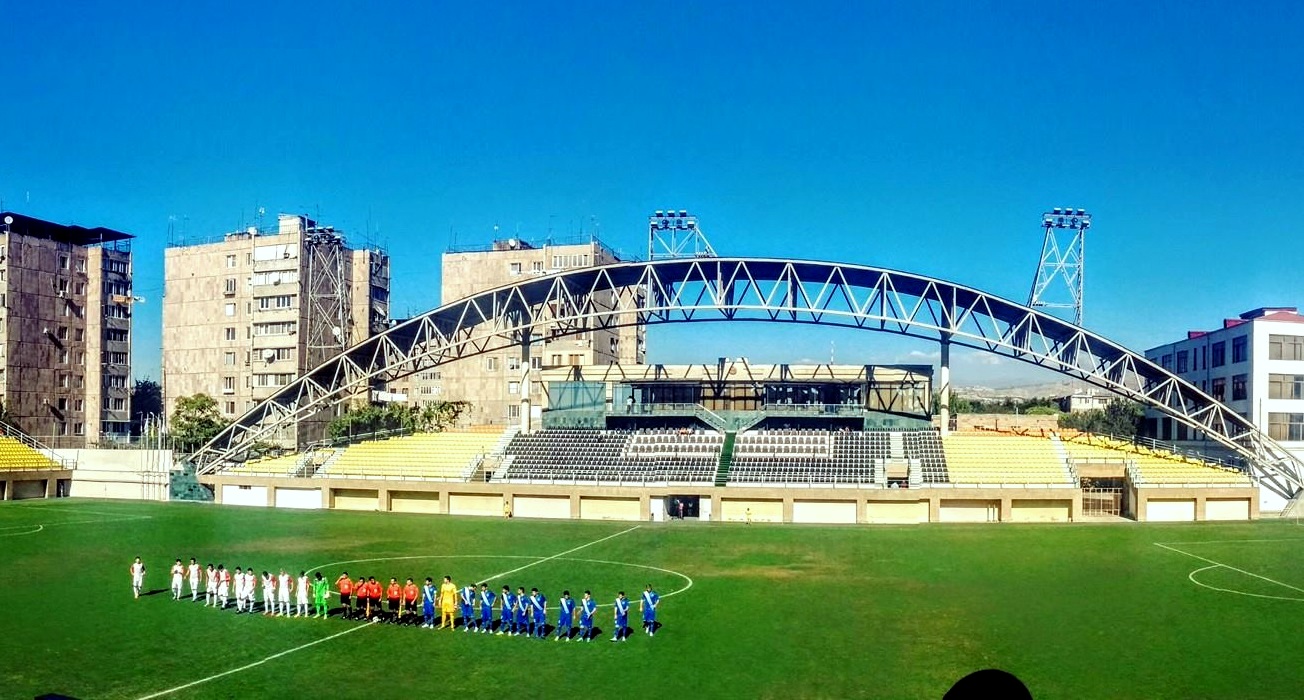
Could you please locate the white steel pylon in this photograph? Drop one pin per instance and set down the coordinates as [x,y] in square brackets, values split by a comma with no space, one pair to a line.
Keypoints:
[1063,257]
[672,234]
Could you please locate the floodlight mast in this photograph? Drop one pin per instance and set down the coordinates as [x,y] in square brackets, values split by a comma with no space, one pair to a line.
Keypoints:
[1063,257]
[672,234]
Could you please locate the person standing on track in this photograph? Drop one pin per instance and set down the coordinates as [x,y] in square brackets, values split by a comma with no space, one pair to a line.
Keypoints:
[177,572]
[192,572]
[137,577]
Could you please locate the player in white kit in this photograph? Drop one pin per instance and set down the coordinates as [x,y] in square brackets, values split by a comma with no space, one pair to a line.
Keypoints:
[223,586]
[192,572]
[239,589]
[301,595]
[177,572]
[210,586]
[137,576]
[283,592]
[269,594]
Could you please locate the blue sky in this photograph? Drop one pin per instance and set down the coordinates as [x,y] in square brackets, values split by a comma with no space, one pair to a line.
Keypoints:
[920,136]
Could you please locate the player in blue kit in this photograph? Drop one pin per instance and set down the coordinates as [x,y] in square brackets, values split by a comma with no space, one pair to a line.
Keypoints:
[648,604]
[507,614]
[486,609]
[523,612]
[539,604]
[622,617]
[588,608]
[467,598]
[565,609]
[428,603]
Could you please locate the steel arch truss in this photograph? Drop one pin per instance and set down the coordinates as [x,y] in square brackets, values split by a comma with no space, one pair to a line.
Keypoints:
[748,289]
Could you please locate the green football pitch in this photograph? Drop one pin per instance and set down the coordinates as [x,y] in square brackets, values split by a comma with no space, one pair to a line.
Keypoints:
[749,611]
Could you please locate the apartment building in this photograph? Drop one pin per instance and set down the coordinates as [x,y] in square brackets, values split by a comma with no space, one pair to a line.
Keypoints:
[247,313]
[66,300]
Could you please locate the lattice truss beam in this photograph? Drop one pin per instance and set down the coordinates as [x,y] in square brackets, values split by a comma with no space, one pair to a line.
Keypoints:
[743,289]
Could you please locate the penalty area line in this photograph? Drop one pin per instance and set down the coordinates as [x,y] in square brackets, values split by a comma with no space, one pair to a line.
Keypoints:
[260,662]
[301,647]
[1227,566]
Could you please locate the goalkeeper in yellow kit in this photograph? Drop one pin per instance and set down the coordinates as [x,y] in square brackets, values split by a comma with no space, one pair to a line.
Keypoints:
[447,602]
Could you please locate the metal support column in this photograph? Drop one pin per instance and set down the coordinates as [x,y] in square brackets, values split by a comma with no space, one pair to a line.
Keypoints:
[944,382]
[525,382]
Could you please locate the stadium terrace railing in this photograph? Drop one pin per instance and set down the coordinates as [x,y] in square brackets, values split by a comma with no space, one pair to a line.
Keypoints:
[27,440]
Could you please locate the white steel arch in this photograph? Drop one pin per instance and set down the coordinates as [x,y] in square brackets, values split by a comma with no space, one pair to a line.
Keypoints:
[754,289]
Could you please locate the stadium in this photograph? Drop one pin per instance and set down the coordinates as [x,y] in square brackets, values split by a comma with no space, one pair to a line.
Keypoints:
[775,508]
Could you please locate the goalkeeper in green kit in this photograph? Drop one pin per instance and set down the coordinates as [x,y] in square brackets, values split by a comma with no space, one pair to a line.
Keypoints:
[319,593]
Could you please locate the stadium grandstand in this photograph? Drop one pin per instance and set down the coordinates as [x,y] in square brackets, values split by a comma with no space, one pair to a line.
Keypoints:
[735,440]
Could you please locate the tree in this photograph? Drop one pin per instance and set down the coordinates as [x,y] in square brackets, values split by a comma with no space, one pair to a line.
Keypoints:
[374,418]
[195,421]
[146,400]
[1121,418]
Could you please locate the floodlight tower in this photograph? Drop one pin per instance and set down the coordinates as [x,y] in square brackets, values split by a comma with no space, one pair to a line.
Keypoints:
[672,234]
[1063,258]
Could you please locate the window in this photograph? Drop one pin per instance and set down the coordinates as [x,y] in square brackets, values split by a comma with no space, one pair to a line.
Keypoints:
[64,262]
[228,359]
[61,404]
[230,262]
[116,334]
[115,381]
[230,408]
[78,429]
[64,380]
[1183,362]
[264,253]
[275,354]
[536,363]
[276,328]
[81,264]
[78,405]
[230,333]
[513,388]
[1286,426]
[119,404]
[1240,349]
[262,279]
[78,334]
[61,428]
[1218,389]
[563,261]
[536,266]
[277,379]
[514,268]
[61,285]
[79,289]
[1285,347]
[1286,386]
[556,360]
[228,286]
[513,410]
[576,360]
[1239,392]
[115,311]
[1166,361]
[79,382]
[281,301]
[115,358]
[491,364]
[62,333]
[513,363]
[63,357]
[228,385]
[228,309]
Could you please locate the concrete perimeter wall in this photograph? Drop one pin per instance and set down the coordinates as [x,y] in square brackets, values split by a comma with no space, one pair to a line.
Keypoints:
[140,475]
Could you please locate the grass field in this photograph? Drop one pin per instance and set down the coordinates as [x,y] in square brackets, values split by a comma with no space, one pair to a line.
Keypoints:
[1076,611]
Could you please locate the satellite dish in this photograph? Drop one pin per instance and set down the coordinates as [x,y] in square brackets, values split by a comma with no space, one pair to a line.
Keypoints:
[9,220]
[335,331]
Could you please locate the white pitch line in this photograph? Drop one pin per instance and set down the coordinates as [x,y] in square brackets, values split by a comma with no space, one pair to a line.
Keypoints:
[1193,579]
[15,534]
[278,655]
[1228,566]
[74,522]
[246,667]
[1278,539]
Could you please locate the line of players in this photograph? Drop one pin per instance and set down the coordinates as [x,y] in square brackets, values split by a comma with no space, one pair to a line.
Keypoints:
[277,589]
[519,614]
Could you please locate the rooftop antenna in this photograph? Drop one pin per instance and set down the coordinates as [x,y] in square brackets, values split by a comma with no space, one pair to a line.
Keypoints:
[1063,257]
